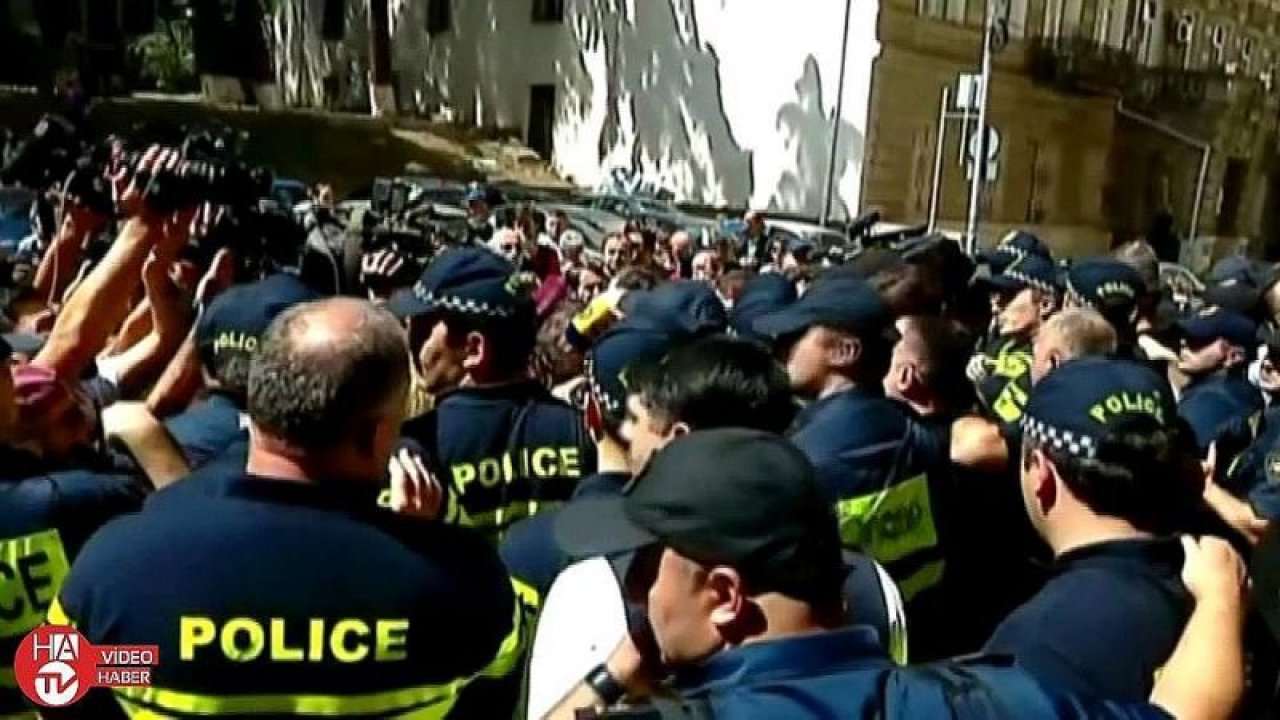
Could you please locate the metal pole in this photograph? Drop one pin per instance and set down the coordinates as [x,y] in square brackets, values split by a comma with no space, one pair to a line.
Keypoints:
[935,189]
[980,157]
[828,185]
[1200,182]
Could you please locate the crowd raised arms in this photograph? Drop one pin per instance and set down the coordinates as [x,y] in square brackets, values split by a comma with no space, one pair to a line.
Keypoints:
[497,469]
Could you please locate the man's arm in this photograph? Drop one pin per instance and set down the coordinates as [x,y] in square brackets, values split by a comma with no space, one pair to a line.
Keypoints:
[1205,677]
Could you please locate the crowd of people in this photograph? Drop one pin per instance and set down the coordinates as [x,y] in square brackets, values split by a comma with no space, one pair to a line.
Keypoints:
[670,481]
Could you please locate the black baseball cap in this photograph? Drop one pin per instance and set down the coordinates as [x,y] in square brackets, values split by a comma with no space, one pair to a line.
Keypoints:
[740,498]
[842,302]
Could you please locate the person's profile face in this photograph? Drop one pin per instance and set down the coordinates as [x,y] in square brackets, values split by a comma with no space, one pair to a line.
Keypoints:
[440,363]
[1020,314]
[807,365]
[680,604]
[555,226]
[706,266]
[902,371]
[1201,358]
[644,435]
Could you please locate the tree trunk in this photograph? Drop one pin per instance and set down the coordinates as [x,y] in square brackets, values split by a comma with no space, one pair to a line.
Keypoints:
[382,96]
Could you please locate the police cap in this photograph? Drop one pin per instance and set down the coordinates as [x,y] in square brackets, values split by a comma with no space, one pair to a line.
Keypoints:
[236,320]
[1215,323]
[841,302]
[684,307]
[1028,271]
[761,295]
[1107,285]
[1084,403]
[745,499]
[468,281]
[621,347]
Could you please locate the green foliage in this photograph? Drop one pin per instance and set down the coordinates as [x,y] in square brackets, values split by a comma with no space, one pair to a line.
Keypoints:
[166,58]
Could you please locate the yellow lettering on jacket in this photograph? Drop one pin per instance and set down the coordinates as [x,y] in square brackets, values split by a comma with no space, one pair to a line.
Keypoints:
[538,462]
[32,568]
[314,640]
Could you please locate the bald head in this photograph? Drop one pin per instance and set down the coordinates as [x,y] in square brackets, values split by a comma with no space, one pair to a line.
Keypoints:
[328,371]
[1070,334]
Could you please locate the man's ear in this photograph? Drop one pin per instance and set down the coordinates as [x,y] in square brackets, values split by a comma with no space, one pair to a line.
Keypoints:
[475,351]
[730,596]
[845,351]
[1044,479]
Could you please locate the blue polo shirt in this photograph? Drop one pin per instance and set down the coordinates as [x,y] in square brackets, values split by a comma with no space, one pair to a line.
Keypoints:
[845,674]
[1105,623]
[206,429]
[274,597]
[45,519]
[887,476]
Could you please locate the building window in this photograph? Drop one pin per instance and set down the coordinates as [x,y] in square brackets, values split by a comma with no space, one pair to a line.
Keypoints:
[548,11]
[439,16]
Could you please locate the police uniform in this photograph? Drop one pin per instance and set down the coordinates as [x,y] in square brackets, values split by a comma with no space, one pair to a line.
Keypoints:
[231,326]
[759,510]
[884,472]
[505,451]
[1211,404]
[45,519]
[1005,391]
[1112,288]
[1112,613]
[275,598]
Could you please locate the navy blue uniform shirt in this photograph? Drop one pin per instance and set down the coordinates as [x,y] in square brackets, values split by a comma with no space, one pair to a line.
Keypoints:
[529,548]
[1105,623]
[503,453]
[45,518]
[886,475]
[845,674]
[280,597]
[205,430]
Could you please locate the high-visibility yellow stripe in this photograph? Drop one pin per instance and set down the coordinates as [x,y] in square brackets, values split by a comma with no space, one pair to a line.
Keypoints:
[43,555]
[427,701]
[512,649]
[500,519]
[1010,403]
[58,616]
[526,593]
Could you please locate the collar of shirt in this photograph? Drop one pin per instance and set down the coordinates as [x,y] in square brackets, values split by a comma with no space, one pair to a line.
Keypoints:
[1164,554]
[346,497]
[606,484]
[799,656]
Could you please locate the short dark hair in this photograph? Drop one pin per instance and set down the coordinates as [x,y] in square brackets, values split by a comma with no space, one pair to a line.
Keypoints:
[1143,474]
[638,278]
[717,382]
[511,340]
[230,370]
[315,395]
[945,345]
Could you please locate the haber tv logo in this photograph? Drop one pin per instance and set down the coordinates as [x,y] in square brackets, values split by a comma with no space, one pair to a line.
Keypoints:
[55,665]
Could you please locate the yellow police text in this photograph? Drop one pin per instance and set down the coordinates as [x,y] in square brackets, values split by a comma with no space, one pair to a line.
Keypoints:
[316,640]
[1128,402]
[32,568]
[539,462]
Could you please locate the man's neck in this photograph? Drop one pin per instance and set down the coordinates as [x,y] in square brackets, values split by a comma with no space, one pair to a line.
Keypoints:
[836,384]
[611,457]
[1093,531]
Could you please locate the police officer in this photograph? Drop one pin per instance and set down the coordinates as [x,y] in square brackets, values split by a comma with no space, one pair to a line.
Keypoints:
[1114,289]
[1216,347]
[288,592]
[227,336]
[877,465]
[45,519]
[499,442]
[744,599]
[1104,475]
[1028,295]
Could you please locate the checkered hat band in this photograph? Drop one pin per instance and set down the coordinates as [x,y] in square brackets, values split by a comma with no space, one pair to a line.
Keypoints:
[1036,283]
[607,401]
[1078,298]
[1067,441]
[459,305]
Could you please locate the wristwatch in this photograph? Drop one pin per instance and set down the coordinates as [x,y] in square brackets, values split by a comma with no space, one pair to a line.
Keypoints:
[605,685]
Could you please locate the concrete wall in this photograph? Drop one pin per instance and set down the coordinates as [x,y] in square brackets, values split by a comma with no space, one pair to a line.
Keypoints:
[719,102]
